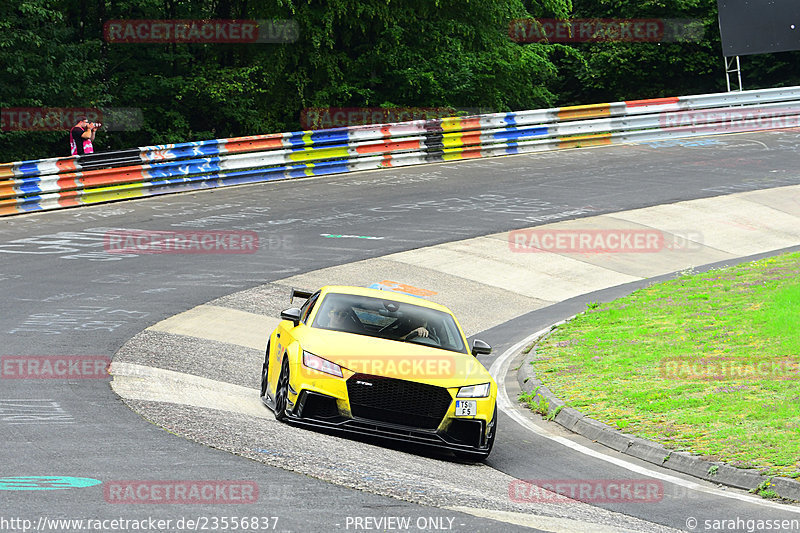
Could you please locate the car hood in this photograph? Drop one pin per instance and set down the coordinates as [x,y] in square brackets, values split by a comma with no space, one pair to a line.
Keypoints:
[395,359]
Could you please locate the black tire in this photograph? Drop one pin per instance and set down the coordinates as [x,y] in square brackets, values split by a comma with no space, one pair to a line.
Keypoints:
[265,373]
[480,456]
[282,392]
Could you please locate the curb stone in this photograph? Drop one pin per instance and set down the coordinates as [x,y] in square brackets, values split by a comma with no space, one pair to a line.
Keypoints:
[568,417]
[577,422]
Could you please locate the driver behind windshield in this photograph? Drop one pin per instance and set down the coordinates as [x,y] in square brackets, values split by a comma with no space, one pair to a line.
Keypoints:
[390,320]
[420,331]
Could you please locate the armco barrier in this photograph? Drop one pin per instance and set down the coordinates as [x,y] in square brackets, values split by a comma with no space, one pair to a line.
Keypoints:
[27,186]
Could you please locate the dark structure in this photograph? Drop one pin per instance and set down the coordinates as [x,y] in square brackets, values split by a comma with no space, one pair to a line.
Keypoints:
[758,26]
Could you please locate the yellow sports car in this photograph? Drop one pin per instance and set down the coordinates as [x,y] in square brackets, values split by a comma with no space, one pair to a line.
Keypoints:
[384,364]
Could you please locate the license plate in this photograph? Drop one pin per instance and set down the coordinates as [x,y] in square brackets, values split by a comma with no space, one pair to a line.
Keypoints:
[466,407]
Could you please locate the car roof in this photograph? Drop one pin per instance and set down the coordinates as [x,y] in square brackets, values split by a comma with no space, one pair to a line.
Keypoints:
[383,295]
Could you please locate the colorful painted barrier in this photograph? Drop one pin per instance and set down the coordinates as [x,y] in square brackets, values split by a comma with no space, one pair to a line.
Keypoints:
[44,184]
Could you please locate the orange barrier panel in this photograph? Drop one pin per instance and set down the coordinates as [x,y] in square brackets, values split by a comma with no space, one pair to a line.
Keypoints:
[584,111]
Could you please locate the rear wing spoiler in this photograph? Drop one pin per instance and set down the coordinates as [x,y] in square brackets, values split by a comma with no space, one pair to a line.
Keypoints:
[300,293]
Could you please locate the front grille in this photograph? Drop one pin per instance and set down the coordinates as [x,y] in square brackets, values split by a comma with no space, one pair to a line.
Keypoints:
[397,401]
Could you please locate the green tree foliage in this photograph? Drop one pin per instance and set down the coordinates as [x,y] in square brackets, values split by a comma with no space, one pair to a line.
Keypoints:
[43,62]
[418,52]
[615,71]
[349,53]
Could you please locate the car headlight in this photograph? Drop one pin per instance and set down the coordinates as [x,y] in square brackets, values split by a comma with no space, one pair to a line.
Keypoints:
[323,365]
[474,391]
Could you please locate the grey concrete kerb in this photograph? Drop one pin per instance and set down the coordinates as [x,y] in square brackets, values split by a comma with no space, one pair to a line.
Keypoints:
[577,422]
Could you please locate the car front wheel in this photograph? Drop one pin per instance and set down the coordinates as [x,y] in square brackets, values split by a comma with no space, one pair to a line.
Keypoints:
[265,373]
[282,392]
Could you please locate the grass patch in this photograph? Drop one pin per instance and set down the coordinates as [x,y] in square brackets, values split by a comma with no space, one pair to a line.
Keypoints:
[528,348]
[536,403]
[705,363]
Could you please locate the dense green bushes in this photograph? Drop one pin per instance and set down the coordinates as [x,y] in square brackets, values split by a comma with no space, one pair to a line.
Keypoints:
[350,53]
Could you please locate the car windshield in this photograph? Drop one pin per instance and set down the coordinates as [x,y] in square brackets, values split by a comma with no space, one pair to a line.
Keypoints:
[389,319]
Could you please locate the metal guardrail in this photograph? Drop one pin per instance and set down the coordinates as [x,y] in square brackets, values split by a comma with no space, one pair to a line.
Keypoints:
[41,184]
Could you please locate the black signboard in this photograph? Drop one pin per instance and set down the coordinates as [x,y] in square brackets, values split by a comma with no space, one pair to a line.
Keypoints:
[759,26]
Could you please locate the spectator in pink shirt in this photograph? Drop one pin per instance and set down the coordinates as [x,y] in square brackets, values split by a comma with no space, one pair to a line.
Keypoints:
[81,136]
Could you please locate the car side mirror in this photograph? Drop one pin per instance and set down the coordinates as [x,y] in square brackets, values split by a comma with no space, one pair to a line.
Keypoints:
[293,314]
[480,348]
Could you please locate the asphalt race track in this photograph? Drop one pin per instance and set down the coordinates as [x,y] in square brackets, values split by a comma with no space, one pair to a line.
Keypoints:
[64,295]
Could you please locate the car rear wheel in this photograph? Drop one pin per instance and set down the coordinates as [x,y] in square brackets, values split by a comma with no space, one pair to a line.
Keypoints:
[265,373]
[282,392]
